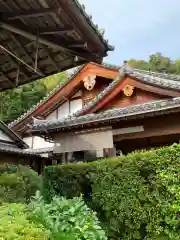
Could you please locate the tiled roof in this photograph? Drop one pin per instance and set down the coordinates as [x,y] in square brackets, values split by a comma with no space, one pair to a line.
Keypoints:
[102,94]
[54,91]
[160,75]
[133,112]
[158,79]
[148,77]
[12,135]
[99,32]
[4,148]
[161,80]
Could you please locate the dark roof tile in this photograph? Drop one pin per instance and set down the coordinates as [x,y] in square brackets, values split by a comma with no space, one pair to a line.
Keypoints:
[119,114]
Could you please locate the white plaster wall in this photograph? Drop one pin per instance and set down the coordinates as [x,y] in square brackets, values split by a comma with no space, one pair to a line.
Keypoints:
[41,143]
[52,116]
[63,110]
[37,142]
[75,105]
[28,141]
[4,137]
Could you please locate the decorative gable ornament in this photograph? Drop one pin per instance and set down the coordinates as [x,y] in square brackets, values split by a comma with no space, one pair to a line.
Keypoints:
[128,90]
[89,82]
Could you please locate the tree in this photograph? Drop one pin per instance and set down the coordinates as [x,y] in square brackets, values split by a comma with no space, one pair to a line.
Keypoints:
[15,102]
[157,63]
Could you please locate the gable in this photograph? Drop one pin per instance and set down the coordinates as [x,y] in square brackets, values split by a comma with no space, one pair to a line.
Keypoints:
[65,92]
[138,96]
[66,109]
[147,92]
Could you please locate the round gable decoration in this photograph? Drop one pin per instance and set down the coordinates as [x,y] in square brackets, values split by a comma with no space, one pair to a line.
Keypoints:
[128,90]
[89,82]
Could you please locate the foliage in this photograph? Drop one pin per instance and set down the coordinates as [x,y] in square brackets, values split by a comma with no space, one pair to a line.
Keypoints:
[158,63]
[15,102]
[18,183]
[52,81]
[136,196]
[66,219]
[15,225]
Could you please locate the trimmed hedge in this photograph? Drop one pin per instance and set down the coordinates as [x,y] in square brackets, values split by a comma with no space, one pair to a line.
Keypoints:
[136,196]
[18,183]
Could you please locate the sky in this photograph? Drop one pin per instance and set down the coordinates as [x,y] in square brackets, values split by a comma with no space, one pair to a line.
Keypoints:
[138,28]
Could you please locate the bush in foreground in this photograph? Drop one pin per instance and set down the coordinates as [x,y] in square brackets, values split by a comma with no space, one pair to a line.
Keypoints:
[18,183]
[136,196]
[14,224]
[66,219]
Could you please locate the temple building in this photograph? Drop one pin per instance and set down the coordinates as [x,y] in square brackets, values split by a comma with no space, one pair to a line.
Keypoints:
[14,150]
[39,39]
[102,111]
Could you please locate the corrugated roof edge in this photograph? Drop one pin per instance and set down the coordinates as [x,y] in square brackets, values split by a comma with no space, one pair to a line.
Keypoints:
[94,26]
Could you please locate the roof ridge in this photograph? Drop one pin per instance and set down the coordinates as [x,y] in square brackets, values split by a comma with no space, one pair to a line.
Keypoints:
[174,77]
[154,79]
[94,26]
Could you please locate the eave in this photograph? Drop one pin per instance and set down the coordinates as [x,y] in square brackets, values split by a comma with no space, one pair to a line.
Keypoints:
[41,38]
[12,135]
[146,110]
[17,151]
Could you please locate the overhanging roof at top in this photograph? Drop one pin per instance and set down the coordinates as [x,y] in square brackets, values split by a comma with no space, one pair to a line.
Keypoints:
[41,37]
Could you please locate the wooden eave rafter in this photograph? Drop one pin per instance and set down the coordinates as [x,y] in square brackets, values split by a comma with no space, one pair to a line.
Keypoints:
[49,42]
[65,31]
[27,14]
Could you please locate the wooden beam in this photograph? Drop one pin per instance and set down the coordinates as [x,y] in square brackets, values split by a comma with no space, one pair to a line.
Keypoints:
[18,59]
[7,79]
[78,45]
[52,31]
[24,50]
[52,61]
[26,14]
[50,43]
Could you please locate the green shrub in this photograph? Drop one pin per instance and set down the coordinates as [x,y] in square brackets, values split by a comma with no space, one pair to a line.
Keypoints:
[15,225]
[67,180]
[136,196]
[18,183]
[66,219]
